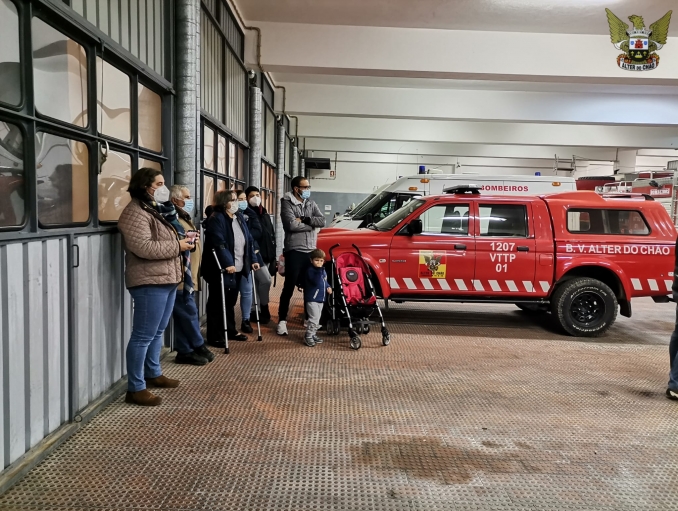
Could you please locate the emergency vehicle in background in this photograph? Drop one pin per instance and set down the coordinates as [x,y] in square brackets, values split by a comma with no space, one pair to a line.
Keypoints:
[578,255]
[390,198]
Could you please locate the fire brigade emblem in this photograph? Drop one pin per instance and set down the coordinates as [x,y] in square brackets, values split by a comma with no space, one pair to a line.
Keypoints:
[639,43]
[432,265]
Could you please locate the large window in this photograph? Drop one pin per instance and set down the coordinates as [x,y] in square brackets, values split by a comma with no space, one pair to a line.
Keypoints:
[222,164]
[223,84]
[268,185]
[12,183]
[139,26]
[59,75]
[10,55]
[93,118]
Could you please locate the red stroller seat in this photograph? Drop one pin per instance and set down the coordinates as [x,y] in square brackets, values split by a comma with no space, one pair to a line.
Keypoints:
[352,270]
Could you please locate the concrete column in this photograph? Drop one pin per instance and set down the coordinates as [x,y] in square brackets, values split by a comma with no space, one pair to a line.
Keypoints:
[256,137]
[188,86]
[280,189]
[626,160]
[294,168]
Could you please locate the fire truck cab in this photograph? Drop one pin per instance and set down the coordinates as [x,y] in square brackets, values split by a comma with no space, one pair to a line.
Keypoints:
[579,255]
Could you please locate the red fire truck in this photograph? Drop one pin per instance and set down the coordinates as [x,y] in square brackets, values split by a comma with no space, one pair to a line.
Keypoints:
[577,254]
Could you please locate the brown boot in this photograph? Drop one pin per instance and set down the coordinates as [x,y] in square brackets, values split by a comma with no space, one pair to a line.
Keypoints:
[163,382]
[142,398]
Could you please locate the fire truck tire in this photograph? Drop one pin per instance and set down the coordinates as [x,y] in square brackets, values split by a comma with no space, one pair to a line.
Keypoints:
[584,307]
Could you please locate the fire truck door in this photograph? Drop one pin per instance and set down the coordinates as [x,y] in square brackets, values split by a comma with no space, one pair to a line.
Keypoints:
[505,250]
[440,260]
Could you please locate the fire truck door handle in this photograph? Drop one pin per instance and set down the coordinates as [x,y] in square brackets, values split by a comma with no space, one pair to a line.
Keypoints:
[460,246]
[523,249]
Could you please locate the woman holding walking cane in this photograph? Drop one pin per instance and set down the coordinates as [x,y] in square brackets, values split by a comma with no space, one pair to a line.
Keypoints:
[228,238]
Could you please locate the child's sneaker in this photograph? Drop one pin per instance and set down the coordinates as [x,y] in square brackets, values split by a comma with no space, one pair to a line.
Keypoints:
[309,341]
[282,328]
[317,339]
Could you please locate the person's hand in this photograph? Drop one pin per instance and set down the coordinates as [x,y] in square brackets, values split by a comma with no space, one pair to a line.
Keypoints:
[256,266]
[185,245]
[329,290]
[298,220]
[230,269]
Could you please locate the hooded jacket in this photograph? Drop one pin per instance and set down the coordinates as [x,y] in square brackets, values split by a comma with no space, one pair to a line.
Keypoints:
[300,235]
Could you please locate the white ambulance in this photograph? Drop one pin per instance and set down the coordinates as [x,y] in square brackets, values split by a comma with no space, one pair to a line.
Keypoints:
[390,198]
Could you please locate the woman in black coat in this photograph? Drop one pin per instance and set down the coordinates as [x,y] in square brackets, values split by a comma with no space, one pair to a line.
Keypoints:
[227,235]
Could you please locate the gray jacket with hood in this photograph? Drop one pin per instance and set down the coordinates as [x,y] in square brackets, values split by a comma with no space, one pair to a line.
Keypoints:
[300,236]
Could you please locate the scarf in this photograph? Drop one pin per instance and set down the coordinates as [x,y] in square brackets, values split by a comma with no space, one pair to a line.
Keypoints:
[170,214]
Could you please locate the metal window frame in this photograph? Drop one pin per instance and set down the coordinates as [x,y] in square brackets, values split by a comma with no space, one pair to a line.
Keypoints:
[215,174]
[226,46]
[60,17]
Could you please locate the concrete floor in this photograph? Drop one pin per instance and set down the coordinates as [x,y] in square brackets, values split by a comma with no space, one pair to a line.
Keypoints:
[471,407]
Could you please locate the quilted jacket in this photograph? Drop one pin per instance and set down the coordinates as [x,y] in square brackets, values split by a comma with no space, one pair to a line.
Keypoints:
[151,247]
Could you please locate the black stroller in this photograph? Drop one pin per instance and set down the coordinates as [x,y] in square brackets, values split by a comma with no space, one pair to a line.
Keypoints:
[354,301]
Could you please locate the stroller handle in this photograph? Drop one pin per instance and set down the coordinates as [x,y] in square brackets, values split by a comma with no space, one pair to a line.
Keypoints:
[331,249]
[357,250]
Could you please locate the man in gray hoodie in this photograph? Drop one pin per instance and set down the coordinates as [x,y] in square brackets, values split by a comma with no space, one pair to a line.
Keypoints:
[301,220]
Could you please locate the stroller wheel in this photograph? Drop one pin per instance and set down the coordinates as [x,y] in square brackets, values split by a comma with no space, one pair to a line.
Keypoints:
[366,329]
[386,339]
[336,326]
[356,343]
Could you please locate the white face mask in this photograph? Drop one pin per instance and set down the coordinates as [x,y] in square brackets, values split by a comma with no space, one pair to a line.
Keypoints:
[255,201]
[161,194]
[233,208]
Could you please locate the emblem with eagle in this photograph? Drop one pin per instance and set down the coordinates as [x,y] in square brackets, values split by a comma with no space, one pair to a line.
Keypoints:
[639,43]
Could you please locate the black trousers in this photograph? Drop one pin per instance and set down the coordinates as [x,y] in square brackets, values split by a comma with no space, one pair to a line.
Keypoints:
[296,264]
[215,313]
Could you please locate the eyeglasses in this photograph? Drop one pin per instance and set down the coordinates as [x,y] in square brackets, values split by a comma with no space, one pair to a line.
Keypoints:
[304,187]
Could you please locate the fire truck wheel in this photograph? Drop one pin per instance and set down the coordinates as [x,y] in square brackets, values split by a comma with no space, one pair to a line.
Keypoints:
[584,307]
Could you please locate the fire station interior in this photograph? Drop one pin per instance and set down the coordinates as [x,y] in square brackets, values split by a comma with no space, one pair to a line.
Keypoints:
[504,174]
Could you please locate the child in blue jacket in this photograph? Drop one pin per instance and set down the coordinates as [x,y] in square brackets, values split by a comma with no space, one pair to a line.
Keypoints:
[316,289]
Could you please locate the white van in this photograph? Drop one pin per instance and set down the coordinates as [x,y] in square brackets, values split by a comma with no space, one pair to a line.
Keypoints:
[390,198]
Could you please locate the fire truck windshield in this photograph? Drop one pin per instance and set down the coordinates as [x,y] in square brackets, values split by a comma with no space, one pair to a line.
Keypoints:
[391,221]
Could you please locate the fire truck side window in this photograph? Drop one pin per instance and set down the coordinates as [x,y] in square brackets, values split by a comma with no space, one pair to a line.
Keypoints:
[504,220]
[446,219]
[606,221]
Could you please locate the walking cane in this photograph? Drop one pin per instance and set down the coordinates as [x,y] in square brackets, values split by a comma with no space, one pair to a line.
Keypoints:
[223,299]
[256,304]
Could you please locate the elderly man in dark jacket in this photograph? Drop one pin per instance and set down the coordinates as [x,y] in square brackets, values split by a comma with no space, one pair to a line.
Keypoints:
[301,220]
[261,229]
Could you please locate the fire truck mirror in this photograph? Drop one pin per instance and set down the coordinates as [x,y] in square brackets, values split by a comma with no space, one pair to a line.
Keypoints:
[415,227]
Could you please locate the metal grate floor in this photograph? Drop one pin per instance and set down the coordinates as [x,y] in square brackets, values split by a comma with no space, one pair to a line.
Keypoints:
[471,407]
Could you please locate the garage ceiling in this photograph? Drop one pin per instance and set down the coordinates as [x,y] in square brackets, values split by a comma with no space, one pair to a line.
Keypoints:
[540,16]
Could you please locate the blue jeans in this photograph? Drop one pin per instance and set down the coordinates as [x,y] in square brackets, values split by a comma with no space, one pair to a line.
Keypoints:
[152,311]
[673,355]
[186,323]
[246,297]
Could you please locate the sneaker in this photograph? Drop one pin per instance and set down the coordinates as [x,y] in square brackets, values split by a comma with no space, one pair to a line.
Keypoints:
[317,339]
[309,341]
[672,394]
[246,327]
[282,328]
[191,358]
[204,352]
